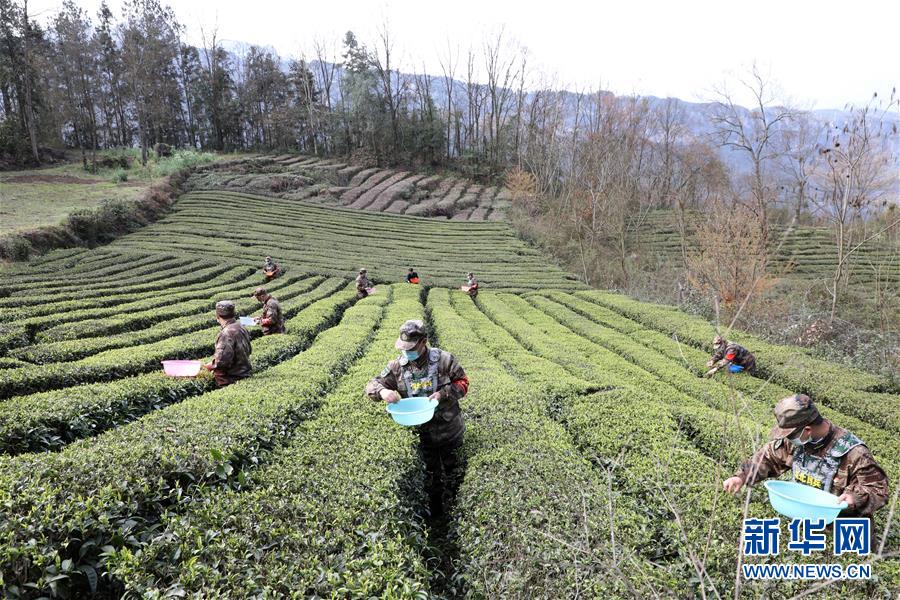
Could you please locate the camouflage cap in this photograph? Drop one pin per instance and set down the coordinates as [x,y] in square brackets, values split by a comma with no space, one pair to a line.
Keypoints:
[793,413]
[363,271]
[225,309]
[719,341]
[260,291]
[411,333]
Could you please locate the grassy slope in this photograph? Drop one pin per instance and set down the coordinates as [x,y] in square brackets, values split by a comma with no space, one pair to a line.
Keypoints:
[49,195]
[26,205]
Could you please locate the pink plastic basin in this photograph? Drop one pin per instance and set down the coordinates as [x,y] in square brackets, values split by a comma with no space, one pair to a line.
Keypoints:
[182,368]
[370,291]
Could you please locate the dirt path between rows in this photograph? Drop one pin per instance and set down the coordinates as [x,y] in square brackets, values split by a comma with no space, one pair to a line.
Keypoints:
[51,179]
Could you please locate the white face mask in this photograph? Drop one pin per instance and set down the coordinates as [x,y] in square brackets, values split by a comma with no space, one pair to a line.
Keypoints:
[808,442]
[797,441]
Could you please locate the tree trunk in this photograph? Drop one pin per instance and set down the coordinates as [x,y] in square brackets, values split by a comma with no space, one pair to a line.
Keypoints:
[29,107]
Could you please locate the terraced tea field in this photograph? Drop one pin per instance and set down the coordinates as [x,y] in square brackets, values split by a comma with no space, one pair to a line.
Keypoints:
[804,252]
[307,237]
[594,452]
[335,183]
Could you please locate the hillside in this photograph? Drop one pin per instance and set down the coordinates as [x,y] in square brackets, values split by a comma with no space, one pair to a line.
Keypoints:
[335,183]
[594,454]
[803,252]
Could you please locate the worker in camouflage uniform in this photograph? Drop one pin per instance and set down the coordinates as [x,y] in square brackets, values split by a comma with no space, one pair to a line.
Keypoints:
[362,284]
[731,355]
[424,371]
[271,269]
[231,360]
[412,276]
[272,319]
[471,287]
[821,455]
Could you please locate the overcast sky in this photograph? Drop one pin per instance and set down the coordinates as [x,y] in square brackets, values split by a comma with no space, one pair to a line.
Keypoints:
[822,53]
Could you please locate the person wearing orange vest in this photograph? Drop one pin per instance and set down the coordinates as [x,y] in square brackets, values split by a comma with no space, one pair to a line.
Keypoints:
[271,269]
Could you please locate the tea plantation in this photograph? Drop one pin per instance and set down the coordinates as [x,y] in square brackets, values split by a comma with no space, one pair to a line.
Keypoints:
[594,452]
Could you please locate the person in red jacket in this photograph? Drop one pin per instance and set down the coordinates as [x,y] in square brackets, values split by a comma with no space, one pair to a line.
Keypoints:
[731,355]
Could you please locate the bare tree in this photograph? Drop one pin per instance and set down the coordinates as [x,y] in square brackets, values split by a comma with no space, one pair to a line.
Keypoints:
[799,147]
[728,258]
[326,72]
[474,107]
[429,145]
[27,76]
[448,68]
[502,74]
[671,129]
[393,84]
[855,174]
[754,134]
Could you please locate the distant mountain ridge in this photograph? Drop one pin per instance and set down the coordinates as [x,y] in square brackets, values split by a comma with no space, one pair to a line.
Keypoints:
[696,115]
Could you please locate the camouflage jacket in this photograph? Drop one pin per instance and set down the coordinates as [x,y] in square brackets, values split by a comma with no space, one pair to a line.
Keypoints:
[269,266]
[472,284]
[840,463]
[362,284]
[272,319]
[231,360]
[734,354]
[436,370]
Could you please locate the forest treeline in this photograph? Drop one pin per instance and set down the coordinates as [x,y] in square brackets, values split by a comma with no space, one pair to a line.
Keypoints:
[587,168]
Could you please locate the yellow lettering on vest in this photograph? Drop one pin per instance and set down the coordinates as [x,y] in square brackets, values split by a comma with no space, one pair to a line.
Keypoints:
[810,480]
[418,386]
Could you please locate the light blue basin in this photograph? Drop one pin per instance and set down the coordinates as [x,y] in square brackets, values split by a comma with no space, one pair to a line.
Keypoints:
[799,501]
[413,411]
[247,321]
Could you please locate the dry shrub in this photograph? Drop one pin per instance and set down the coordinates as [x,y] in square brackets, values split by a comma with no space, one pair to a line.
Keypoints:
[728,257]
[522,187]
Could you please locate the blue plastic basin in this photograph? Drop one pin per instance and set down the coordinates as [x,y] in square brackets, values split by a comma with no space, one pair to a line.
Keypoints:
[247,321]
[799,501]
[735,368]
[412,411]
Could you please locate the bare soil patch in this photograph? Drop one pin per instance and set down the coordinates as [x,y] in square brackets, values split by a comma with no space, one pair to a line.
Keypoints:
[51,179]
